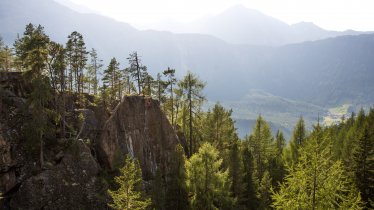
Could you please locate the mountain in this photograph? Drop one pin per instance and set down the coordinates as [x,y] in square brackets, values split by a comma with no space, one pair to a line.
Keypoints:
[325,73]
[241,25]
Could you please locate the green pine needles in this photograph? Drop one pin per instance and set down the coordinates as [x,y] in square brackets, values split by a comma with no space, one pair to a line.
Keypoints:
[129,195]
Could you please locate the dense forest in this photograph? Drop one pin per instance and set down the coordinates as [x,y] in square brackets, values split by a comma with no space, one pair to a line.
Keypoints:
[323,168]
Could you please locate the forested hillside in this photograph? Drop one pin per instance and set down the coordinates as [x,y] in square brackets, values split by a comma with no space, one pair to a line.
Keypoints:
[131,139]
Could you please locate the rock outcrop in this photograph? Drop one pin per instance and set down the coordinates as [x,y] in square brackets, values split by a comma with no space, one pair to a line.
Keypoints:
[71,184]
[74,173]
[140,129]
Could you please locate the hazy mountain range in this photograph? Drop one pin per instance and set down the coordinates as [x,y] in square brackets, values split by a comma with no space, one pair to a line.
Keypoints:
[241,25]
[305,78]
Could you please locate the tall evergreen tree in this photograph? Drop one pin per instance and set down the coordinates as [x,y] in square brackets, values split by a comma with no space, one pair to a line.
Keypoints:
[171,80]
[32,50]
[208,183]
[277,166]
[218,129]
[137,70]
[248,199]
[111,79]
[177,192]
[191,88]
[129,195]
[77,58]
[363,159]
[316,181]
[298,137]
[94,69]
[261,144]
[6,58]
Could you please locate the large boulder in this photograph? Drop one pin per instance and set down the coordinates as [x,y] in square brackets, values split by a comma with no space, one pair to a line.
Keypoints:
[71,184]
[138,128]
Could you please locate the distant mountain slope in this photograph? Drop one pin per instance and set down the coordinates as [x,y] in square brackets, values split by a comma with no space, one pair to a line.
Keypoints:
[241,25]
[326,73]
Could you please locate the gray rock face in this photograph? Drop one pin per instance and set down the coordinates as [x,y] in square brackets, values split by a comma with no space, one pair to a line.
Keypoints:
[137,128]
[72,184]
[70,178]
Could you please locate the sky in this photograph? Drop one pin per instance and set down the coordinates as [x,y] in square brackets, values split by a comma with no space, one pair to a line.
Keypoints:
[328,14]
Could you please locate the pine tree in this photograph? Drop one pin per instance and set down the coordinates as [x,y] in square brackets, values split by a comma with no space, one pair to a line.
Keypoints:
[32,50]
[298,137]
[93,71]
[219,130]
[207,182]
[137,70]
[363,162]
[77,58]
[277,167]
[191,89]
[129,195]
[236,173]
[248,198]
[171,80]
[177,193]
[111,79]
[261,145]
[264,193]
[316,181]
[6,58]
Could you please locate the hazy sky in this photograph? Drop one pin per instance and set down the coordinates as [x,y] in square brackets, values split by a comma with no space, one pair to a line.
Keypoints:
[329,14]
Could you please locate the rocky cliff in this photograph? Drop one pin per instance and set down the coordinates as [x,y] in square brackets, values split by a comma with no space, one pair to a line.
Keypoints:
[138,128]
[73,174]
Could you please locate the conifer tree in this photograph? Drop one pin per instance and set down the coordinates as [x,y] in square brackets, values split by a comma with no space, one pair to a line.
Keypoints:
[177,193]
[219,130]
[298,137]
[261,144]
[32,50]
[94,69]
[111,79]
[236,174]
[248,199]
[277,166]
[207,182]
[77,58]
[6,58]
[363,162]
[171,80]
[316,181]
[191,88]
[137,70]
[129,195]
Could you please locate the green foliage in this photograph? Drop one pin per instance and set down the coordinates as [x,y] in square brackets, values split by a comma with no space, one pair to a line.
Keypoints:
[129,196]
[363,159]
[297,140]
[77,59]
[263,192]
[277,165]
[137,71]
[262,149]
[218,129]
[177,192]
[248,198]
[32,50]
[190,90]
[207,182]
[111,80]
[94,69]
[316,181]
[6,58]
